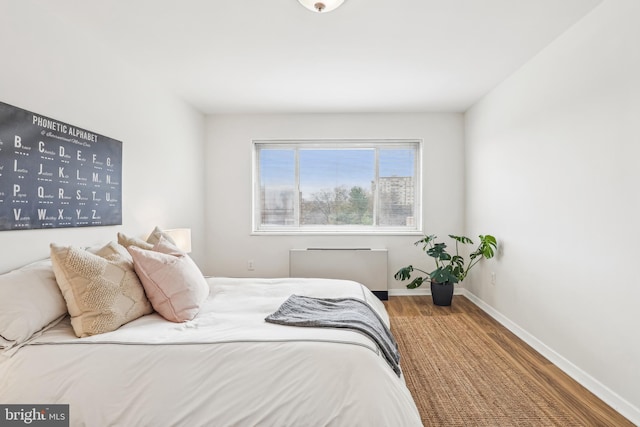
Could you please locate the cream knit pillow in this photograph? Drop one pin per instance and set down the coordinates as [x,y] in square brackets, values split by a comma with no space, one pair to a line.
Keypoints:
[102,291]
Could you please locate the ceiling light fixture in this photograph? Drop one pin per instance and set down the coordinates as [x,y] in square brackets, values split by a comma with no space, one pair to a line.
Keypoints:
[321,6]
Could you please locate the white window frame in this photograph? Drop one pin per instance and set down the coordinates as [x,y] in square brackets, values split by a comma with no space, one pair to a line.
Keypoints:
[258,229]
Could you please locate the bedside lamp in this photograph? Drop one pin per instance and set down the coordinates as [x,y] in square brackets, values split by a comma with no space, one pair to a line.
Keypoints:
[182,237]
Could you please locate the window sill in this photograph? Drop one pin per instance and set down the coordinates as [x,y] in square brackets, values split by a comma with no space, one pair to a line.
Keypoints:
[338,233]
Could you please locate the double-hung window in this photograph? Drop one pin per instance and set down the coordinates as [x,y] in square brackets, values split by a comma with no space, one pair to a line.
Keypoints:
[337,186]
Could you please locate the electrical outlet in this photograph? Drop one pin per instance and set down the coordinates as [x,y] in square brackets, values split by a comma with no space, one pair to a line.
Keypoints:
[250,265]
[493,278]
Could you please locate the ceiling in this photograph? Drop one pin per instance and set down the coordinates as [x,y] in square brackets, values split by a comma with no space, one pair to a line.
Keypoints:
[274,56]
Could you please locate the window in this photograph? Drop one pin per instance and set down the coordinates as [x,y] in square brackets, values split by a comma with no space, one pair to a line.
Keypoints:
[337,186]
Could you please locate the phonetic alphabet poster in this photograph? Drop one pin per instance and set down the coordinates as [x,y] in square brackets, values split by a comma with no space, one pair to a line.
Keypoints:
[54,175]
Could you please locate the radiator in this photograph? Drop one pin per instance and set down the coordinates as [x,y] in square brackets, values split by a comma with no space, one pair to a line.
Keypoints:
[363,265]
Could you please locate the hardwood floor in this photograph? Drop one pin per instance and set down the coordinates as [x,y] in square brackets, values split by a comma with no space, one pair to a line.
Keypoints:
[583,405]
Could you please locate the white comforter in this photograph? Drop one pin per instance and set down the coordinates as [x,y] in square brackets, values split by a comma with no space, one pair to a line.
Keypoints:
[227,367]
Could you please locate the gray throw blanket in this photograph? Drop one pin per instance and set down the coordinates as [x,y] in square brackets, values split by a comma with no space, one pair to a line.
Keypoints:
[349,313]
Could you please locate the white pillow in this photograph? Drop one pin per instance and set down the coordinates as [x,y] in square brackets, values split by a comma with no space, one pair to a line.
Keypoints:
[29,301]
[4,344]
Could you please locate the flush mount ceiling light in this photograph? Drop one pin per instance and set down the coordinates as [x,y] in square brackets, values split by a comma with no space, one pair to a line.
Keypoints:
[321,6]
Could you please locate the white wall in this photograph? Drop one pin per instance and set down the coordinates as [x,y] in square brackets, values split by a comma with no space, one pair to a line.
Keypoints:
[52,68]
[552,168]
[228,168]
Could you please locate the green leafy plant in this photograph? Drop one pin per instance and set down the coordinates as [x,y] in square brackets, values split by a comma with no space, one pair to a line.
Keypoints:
[449,268]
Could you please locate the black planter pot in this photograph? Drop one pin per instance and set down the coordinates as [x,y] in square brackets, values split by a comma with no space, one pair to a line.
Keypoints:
[442,293]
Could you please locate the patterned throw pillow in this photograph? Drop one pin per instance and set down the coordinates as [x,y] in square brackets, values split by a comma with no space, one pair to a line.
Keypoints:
[127,241]
[157,234]
[102,290]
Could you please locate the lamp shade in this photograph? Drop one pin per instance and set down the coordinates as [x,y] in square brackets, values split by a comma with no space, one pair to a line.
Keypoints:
[182,237]
[321,6]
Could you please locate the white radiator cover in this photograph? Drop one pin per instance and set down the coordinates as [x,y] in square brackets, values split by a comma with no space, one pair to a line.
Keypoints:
[363,265]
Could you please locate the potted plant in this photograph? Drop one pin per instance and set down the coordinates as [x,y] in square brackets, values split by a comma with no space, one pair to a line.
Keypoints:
[450,269]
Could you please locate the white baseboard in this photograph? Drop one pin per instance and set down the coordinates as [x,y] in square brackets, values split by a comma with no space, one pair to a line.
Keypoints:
[408,292]
[625,408]
[418,291]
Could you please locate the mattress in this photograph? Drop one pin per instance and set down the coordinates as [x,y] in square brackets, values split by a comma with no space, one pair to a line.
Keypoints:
[226,367]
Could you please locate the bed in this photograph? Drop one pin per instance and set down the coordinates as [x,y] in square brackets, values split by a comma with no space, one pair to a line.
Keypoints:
[225,367]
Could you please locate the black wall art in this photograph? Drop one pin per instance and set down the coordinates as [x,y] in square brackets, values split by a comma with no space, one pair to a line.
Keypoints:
[54,175]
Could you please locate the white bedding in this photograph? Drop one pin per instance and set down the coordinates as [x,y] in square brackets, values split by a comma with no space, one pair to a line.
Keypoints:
[227,367]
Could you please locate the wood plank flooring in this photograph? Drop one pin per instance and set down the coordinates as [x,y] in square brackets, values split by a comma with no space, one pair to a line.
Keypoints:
[583,405]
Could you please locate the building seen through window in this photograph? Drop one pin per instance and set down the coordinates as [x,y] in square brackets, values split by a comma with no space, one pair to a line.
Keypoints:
[363,186]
